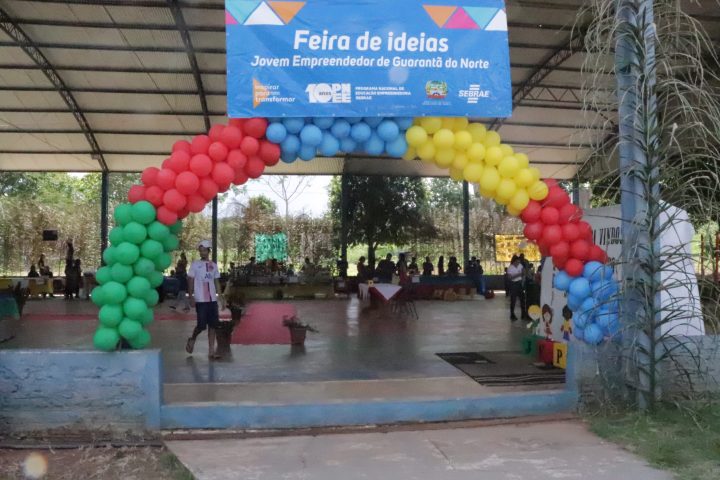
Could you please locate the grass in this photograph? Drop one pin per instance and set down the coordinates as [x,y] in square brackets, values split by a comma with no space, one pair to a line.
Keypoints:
[681,439]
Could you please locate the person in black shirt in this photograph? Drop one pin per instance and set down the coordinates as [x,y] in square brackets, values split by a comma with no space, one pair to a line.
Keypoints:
[453,267]
[441,266]
[427,267]
[386,269]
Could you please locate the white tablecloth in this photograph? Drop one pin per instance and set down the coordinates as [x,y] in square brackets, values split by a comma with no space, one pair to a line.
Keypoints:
[386,290]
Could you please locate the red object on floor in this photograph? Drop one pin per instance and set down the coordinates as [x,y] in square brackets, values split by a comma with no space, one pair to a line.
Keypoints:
[262,324]
[545,351]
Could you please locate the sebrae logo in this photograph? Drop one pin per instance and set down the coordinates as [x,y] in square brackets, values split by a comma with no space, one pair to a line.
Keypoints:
[257,12]
[468,18]
[473,94]
[436,89]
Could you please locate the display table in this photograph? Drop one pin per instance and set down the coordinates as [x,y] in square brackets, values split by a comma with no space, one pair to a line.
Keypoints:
[427,286]
[37,286]
[280,291]
[378,293]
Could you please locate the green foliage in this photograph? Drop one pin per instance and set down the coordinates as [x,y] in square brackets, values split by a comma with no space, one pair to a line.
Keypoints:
[271,246]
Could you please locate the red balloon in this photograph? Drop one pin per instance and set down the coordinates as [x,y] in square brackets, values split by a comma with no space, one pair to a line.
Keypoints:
[179,161]
[533,231]
[201,165]
[560,250]
[585,231]
[166,179]
[559,262]
[597,254]
[165,163]
[200,144]
[237,123]
[236,159]
[557,197]
[531,213]
[208,189]
[255,127]
[544,249]
[181,146]
[187,183]
[240,177]
[249,146]
[149,176]
[254,167]
[549,216]
[218,151]
[196,203]
[574,267]
[215,132]
[552,234]
[174,200]
[136,193]
[231,136]
[154,195]
[223,174]
[569,213]
[269,153]
[570,232]
[550,182]
[184,212]
[580,249]
[165,216]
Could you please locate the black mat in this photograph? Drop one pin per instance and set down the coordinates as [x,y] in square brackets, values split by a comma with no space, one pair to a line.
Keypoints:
[503,368]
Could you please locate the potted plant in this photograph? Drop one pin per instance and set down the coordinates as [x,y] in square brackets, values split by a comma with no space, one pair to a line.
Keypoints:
[298,330]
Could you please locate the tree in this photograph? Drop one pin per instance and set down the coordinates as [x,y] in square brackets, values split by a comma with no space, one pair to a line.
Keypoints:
[287,188]
[381,209]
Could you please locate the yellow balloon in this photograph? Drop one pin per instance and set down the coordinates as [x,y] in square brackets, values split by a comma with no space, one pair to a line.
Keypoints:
[444,138]
[538,190]
[478,132]
[506,189]
[486,193]
[519,200]
[416,120]
[490,179]
[410,154]
[426,151]
[456,174]
[508,167]
[524,178]
[523,160]
[431,124]
[476,152]
[493,155]
[507,149]
[473,172]
[444,157]
[492,139]
[416,136]
[463,140]
[501,200]
[461,160]
[512,210]
[535,174]
[460,124]
[448,122]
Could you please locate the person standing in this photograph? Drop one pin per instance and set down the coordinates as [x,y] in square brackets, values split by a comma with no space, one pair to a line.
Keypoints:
[181,275]
[515,274]
[441,266]
[386,269]
[204,276]
[362,271]
[453,267]
[427,267]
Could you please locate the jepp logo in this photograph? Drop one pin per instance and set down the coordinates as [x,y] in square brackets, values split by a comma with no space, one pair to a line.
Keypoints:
[329,93]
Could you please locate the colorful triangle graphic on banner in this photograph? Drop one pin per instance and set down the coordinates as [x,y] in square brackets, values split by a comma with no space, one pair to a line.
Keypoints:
[260,93]
[439,13]
[498,23]
[287,10]
[229,19]
[263,15]
[240,9]
[481,15]
[461,20]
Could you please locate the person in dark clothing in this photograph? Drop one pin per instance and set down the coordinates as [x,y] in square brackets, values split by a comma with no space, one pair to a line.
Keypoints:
[475,272]
[363,272]
[441,266]
[427,267]
[453,267]
[515,274]
[413,267]
[386,269]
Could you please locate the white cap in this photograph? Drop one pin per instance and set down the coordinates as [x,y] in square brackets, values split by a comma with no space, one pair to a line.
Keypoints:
[205,243]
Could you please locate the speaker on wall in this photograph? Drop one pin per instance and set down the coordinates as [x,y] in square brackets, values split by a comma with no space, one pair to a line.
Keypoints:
[50,235]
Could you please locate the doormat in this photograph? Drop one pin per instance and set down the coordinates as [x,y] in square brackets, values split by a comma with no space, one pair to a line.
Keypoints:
[501,369]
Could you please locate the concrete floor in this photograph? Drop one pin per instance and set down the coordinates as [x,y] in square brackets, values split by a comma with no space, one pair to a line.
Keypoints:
[538,451]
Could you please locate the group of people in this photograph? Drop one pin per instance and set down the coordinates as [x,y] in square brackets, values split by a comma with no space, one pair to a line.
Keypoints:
[73,272]
[519,278]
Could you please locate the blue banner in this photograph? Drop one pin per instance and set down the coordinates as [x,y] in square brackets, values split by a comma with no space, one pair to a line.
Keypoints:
[362,58]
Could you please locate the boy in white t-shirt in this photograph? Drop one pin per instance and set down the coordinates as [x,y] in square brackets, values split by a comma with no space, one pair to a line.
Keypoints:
[203,276]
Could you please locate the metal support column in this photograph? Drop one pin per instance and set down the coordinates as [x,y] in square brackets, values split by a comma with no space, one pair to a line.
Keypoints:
[214,228]
[576,191]
[466,224]
[343,216]
[104,194]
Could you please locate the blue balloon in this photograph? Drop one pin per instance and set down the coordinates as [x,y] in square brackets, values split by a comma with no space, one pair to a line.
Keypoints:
[562,280]
[579,333]
[323,122]
[593,335]
[397,147]
[388,130]
[605,318]
[374,145]
[591,270]
[608,272]
[574,302]
[373,121]
[404,122]
[274,120]
[294,125]
[341,129]
[353,120]
[311,136]
[614,328]
[291,144]
[276,132]
[589,306]
[348,145]
[307,153]
[330,145]
[580,288]
[604,290]
[288,157]
[581,320]
[360,132]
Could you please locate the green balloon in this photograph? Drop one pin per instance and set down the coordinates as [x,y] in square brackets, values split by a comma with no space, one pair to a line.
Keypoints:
[134,308]
[158,231]
[127,253]
[148,317]
[103,275]
[143,212]
[138,287]
[109,255]
[121,273]
[129,329]
[144,267]
[114,293]
[106,339]
[152,297]
[142,340]
[123,214]
[176,227]
[98,296]
[134,233]
[116,236]
[170,243]
[111,315]
[151,248]
[156,279]
[163,261]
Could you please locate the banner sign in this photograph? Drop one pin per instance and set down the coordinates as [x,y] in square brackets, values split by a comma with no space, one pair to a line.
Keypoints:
[360,58]
[508,245]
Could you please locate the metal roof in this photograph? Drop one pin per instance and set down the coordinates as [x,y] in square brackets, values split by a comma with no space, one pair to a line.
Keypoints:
[87,85]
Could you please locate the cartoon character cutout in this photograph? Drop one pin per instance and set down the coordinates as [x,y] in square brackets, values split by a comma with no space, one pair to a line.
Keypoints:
[534,312]
[547,317]
[566,327]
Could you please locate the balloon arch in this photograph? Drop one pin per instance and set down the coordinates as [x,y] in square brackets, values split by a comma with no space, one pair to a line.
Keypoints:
[195,172]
